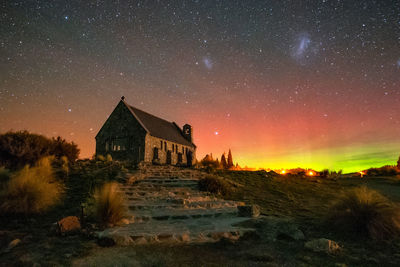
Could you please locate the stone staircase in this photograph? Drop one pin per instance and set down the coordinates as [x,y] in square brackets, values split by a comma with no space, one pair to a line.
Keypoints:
[165,205]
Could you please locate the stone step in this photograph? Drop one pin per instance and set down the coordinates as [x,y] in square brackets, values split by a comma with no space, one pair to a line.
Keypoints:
[170,214]
[148,205]
[166,181]
[188,231]
[147,186]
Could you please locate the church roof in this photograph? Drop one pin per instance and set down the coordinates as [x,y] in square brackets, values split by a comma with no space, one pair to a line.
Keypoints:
[158,127]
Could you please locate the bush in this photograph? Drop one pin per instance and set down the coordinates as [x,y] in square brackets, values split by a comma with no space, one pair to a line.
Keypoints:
[366,212]
[31,190]
[109,205]
[101,158]
[4,177]
[382,171]
[18,149]
[215,185]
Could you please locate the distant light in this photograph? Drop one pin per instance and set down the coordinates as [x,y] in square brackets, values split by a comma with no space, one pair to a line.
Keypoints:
[311,173]
[283,172]
[216,133]
[66,17]
[69,110]
[361,173]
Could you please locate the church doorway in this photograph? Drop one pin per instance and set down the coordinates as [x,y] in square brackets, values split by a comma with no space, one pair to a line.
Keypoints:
[169,157]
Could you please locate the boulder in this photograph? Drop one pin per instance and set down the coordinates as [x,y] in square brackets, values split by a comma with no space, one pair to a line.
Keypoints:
[323,245]
[249,211]
[110,237]
[287,230]
[69,225]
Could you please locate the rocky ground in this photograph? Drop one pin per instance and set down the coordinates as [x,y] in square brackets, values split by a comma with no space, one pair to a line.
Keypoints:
[171,223]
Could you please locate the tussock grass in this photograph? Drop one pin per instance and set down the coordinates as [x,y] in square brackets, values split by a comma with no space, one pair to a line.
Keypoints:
[32,190]
[215,185]
[109,204]
[366,212]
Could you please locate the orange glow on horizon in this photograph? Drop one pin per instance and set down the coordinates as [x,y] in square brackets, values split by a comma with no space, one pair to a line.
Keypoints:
[311,173]
[283,172]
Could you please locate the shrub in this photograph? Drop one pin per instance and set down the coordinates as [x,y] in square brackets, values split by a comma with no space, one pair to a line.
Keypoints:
[18,149]
[101,158]
[4,177]
[382,171]
[109,205]
[31,190]
[398,164]
[215,185]
[366,212]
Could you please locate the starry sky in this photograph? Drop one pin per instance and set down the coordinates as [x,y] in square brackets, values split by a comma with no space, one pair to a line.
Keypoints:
[282,83]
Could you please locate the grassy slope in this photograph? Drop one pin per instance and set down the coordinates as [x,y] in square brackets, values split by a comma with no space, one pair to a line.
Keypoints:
[306,200]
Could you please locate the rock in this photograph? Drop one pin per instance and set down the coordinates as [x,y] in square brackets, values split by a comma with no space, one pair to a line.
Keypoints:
[249,211]
[109,238]
[124,221]
[69,225]
[13,244]
[323,245]
[122,240]
[287,230]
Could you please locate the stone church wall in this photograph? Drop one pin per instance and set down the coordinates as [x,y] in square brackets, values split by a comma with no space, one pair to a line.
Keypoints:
[121,136]
[152,142]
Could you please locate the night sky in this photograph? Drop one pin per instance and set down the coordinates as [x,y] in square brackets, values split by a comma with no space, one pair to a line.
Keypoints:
[282,83]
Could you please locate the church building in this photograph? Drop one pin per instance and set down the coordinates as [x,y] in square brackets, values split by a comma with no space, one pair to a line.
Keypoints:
[132,134]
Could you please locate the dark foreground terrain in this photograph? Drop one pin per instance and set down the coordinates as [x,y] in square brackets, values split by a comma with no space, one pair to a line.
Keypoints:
[302,201]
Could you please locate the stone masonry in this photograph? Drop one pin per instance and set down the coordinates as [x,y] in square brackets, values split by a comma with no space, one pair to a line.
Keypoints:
[165,205]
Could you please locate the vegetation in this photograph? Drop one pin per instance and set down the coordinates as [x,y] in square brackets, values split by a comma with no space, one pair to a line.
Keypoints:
[109,204]
[226,162]
[398,164]
[18,149]
[31,190]
[383,171]
[4,177]
[229,162]
[223,163]
[366,212]
[215,185]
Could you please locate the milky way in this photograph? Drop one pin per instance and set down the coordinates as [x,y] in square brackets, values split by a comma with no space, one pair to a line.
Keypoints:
[281,83]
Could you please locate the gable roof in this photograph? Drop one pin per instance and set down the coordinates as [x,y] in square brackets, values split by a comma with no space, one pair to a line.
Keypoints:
[158,127]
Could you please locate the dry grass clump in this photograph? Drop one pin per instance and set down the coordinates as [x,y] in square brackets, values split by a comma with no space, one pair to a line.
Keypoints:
[366,212]
[215,185]
[31,190]
[109,204]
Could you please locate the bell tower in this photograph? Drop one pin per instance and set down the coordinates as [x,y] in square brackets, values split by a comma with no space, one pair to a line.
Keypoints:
[188,132]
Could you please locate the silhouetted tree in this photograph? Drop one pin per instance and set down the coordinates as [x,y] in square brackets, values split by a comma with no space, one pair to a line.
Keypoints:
[230,160]
[224,164]
[20,148]
[398,163]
